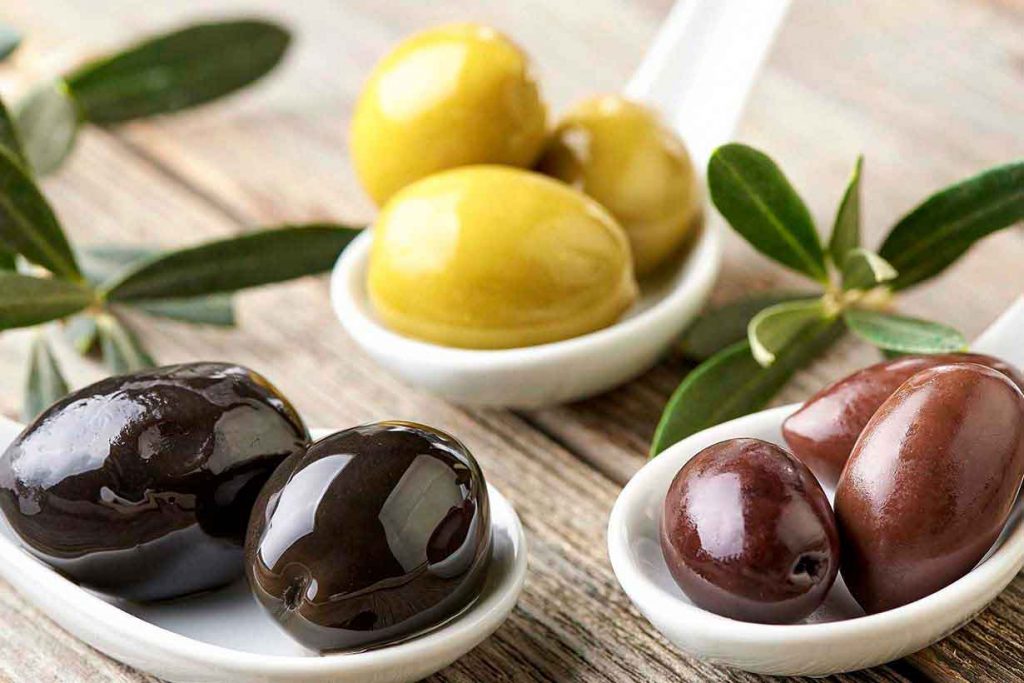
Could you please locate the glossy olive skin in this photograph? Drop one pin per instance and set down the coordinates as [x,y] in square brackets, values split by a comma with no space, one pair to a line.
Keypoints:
[748,533]
[372,536]
[491,257]
[823,432]
[930,484]
[447,97]
[141,486]
[620,153]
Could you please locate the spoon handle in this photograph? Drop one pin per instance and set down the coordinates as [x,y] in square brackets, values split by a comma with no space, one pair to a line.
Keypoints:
[702,66]
[1005,337]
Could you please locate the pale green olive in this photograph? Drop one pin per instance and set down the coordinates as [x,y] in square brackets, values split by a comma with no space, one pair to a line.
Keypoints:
[621,154]
[490,257]
[450,96]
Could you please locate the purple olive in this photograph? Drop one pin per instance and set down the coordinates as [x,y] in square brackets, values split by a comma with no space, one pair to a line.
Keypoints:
[930,483]
[822,433]
[748,533]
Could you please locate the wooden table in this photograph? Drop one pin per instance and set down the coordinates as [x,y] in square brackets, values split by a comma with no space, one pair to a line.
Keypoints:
[930,90]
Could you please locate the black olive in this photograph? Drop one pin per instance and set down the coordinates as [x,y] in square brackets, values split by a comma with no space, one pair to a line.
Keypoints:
[141,486]
[371,536]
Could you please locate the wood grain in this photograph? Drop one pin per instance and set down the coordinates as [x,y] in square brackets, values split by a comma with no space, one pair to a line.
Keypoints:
[930,91]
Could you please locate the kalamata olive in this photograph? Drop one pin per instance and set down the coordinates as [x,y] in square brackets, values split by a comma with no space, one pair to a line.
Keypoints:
[620,153]
[494,257]
[748,533]
[822,433]
[141,485]
[930,483]
[373,535]
[449,96]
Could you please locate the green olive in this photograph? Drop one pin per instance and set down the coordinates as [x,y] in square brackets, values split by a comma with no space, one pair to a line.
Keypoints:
[621,154]
[491,257]
[450,96]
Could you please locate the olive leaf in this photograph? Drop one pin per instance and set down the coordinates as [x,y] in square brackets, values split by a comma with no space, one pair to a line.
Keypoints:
[846,229]
[177,70]
[902,334]
[760,204]
[863,269]
[82,333]
[941,229]
[775,327]
[47,121]
[9,139]
[27,224]
[10,39]
[45,383]
[8,260]
[26,301]
[732,384]
[228,265]
[713,330]
[121,348]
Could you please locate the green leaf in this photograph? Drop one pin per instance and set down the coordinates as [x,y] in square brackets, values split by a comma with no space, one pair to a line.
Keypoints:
[249,260]
[846,229]
[10,39]
[8,260]
[732,384]
[9,139]
[45,383]
[760,204]
[27,224]
[122,350]
[941,229]
[178,70]
[82,332]
[26,301]
[47,120]
[905,335]
[713,330]
[863,269]
[771,330]
[101,263]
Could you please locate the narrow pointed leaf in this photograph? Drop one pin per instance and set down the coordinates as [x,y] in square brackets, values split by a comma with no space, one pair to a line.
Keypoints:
[902,334]
[228,265]
[941,229]
[732,384]
[82,332]
[47,121]
[846,229]
[9,139]
[177,70]
[760,204]
[723,326]
[10,39]
[863,269]
[27,224]
[771,330]
[26,301]
[122,350]
[45,383]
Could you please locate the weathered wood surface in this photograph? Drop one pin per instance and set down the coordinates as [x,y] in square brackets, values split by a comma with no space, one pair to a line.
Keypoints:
[930,91]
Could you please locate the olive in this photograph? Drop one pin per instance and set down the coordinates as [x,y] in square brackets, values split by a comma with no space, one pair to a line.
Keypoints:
[449,96]
[747,533]
[822,433]
[930,483]
[372,536]
[622,154]
[141,486]
[493,257]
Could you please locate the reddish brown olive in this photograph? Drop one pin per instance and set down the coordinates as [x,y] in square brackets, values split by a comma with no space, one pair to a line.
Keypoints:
[371,536]
[748,533]
[930,483]
[823,432]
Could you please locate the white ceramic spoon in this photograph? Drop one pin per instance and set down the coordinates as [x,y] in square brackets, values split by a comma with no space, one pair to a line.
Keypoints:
[837,637]
[225,636]
[698,73]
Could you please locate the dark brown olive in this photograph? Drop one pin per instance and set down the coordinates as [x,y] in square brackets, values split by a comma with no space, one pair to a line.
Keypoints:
[141,486]
[822,433]
[748,533]
[373,535]
[930,484]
